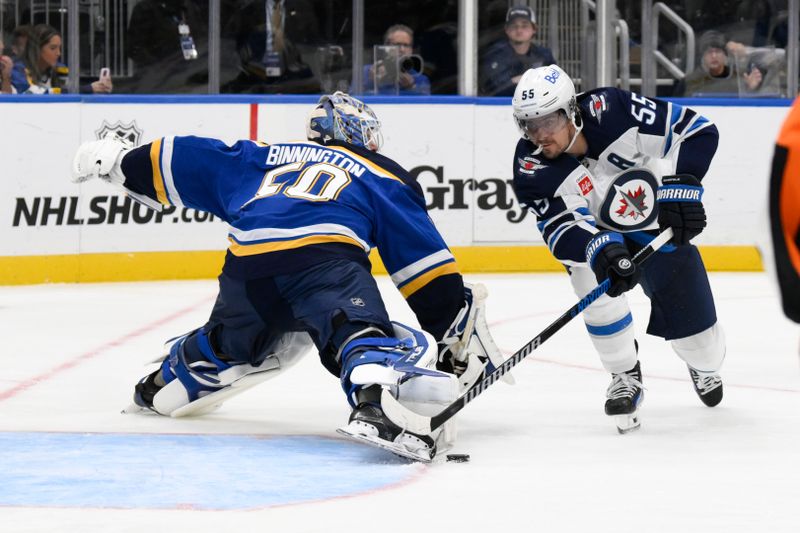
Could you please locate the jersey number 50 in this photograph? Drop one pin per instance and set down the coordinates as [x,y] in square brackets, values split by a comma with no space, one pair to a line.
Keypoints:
[326,179]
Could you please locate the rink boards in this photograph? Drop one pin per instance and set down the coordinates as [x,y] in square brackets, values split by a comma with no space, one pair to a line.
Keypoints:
[460,149]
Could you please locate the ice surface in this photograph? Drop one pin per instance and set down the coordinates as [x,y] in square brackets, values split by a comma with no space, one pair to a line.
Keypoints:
[544,457]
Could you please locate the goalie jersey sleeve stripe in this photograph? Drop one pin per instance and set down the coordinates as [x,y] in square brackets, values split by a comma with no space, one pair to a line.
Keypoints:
[158,179]
[403,276]
[427,277]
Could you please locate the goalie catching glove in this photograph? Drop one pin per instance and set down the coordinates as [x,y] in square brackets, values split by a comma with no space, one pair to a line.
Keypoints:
[467,348]
[100,159]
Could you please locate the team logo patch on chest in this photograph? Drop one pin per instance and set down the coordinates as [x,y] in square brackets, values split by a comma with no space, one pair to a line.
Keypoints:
[630,201]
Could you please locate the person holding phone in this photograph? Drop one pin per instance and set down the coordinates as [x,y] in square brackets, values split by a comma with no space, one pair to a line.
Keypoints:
[39,71]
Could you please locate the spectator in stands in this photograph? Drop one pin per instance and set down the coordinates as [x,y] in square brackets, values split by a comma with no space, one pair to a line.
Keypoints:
[506,60]
[38,71]
[167,41]
[267,35]
[19,38]
[714,76]
[400,71]
[6,64]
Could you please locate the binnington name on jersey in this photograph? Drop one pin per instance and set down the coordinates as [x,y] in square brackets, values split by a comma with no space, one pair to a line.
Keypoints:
[281,154]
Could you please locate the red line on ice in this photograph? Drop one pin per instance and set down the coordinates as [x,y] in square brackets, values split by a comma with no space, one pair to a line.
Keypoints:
[72,363]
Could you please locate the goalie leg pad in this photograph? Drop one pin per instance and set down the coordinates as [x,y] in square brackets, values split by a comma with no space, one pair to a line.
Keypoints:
[405,364]
[193,380]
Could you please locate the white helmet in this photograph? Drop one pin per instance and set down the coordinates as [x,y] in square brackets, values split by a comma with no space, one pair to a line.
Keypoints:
[542,91]
[342,117]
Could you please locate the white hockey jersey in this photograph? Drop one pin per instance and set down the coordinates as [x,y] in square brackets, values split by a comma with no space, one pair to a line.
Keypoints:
[632,142]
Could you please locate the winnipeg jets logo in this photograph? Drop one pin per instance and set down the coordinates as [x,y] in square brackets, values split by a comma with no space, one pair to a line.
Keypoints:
[357,301]
[597,106]
[632,203]
[528,165]
[128,133]
[629,203]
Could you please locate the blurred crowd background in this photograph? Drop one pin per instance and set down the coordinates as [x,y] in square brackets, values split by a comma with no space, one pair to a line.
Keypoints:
[697,48]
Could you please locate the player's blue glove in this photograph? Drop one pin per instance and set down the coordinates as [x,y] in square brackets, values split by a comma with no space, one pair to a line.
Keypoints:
[680,207]
[609,258]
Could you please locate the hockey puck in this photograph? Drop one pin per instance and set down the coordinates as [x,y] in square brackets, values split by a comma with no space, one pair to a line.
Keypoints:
[458,457]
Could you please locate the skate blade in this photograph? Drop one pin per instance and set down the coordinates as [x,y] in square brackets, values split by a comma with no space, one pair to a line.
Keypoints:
[134,408]
[627,423]
[395,448]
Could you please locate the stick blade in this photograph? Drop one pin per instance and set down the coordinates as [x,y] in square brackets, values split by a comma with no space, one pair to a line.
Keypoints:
[404,417]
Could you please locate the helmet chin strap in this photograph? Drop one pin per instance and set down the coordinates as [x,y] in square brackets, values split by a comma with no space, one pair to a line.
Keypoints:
[575,135]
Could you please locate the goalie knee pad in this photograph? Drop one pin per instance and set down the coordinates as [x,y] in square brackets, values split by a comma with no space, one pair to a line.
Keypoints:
[703,351]
[405,364]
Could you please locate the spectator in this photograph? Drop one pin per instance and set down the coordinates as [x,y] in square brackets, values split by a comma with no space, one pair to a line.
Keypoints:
[506,60]
[267,37]
[168,44]
[400,71]
[19,38]
[714,75]
[38,70]
[6,64]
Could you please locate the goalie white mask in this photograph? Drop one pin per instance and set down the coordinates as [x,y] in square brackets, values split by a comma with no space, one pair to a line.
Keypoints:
[541,92]
[340,116]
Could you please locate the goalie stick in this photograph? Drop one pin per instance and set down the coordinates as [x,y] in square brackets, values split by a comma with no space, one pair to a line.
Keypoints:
[420,424]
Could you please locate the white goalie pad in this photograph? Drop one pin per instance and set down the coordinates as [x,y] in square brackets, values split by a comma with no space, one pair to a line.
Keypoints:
[414,380]
[173,399]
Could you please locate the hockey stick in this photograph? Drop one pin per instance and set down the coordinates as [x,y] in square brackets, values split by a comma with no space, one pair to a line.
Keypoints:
[424,425]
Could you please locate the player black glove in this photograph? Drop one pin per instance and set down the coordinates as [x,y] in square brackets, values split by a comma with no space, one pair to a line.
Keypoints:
[609,258]
[680,207]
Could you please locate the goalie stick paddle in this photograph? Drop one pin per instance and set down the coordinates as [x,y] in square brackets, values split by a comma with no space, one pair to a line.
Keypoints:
[416,423]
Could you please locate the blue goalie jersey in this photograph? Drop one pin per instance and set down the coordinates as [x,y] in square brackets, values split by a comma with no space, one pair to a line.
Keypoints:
[632,142]
[292,205]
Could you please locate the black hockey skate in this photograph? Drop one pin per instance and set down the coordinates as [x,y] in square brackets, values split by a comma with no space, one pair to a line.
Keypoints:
[707,385]
[625,395]
[147,388]
[369,425]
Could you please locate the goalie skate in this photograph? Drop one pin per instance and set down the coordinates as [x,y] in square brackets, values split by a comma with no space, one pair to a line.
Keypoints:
[369,425]
[422,454]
